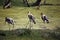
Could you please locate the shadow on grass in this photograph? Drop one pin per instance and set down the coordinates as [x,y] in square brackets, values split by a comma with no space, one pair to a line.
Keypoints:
[19,3]
[33,34]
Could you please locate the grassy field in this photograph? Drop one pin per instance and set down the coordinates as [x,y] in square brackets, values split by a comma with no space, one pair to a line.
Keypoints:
[19,13]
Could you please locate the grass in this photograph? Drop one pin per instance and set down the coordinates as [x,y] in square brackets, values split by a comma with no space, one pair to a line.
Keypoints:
[34,35]
[19,13]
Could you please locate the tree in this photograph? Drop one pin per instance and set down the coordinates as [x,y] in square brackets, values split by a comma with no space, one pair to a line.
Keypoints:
[7,4]
[44,1]
[26,2]
[37,3]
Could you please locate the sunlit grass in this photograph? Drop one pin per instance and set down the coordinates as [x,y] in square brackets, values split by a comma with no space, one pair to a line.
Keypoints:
[19,14]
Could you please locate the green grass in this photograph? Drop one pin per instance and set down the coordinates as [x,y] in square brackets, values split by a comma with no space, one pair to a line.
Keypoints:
[19,14]
[34,35]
